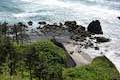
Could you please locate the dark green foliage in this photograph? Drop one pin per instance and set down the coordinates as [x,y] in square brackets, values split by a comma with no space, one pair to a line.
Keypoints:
[48,61]
[40,60]
[4,49]
[8,55]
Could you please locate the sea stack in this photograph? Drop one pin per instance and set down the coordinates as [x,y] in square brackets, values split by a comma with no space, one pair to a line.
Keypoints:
[95,27]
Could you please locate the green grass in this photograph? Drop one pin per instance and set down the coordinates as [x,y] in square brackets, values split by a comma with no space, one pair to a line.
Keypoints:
[100,69]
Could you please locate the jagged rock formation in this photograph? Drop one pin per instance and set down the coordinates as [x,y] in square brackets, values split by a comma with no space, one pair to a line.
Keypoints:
[95,27]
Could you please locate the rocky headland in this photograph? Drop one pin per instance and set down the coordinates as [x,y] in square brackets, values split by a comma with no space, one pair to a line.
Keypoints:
[82,44]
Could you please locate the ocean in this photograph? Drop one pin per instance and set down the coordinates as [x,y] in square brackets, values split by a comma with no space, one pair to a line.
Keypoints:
[83,11]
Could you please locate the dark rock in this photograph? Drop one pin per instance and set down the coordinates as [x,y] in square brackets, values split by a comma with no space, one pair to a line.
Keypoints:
[78,29]
[70,23]
[60,24]
[102,39]
[71,52]
[30,23]
[79,51]
[95,27]
[39,27]
[80,35]
[42,23]
[78,38]
[53,26]
[20,24]
[73,27]
[88,44]
[96,48]
[57,43]
[118,17]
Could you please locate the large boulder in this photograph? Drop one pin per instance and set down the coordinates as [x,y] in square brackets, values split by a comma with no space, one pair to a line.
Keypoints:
[95,27]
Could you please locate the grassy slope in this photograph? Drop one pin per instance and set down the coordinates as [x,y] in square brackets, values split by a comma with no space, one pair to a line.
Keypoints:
[99,69]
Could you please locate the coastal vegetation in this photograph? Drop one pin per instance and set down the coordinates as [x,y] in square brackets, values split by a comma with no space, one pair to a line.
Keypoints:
[100,69]
[43,60]
[36,61]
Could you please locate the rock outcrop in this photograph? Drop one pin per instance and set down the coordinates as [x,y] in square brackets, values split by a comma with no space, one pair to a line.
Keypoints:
[70,23]
[102,39]
[95,27]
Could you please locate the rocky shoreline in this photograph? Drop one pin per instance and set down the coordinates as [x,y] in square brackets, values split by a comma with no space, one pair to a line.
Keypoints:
[82,44]
[73,38]
[72,30]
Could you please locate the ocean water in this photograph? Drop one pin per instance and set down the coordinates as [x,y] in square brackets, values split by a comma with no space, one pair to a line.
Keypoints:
[83,11]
